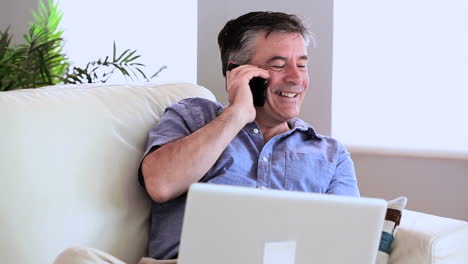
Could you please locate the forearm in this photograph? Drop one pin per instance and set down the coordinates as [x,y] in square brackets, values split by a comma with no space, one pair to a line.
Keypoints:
[169,170]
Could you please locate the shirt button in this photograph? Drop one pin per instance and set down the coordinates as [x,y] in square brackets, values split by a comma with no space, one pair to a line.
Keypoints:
[265,159]
[256,130]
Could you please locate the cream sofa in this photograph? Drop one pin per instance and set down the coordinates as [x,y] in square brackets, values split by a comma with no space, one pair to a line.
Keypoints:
[68,163]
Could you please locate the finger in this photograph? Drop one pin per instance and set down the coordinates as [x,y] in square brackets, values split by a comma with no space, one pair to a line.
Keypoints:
[249,72]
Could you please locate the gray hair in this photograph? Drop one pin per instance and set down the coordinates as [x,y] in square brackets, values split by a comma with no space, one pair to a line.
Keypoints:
[237,39]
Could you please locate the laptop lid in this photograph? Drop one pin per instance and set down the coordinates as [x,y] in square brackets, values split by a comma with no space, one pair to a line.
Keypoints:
[232,225]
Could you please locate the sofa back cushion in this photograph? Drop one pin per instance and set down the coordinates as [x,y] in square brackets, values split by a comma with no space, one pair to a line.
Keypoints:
[69,157]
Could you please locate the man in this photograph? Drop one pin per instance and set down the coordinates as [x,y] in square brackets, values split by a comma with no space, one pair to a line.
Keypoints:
[242,144]
[265,146]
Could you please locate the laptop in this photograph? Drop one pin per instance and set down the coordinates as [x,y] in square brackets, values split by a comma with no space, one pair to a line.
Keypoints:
[241,225]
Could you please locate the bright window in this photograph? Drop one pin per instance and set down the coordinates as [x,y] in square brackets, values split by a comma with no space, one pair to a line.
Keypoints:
[400,74]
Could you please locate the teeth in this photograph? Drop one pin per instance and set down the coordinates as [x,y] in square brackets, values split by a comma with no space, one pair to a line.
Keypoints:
[290,95]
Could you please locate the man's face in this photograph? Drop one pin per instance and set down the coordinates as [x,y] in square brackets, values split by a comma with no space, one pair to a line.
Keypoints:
[284,55]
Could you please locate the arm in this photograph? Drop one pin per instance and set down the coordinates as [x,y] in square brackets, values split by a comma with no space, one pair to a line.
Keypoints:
[169,170]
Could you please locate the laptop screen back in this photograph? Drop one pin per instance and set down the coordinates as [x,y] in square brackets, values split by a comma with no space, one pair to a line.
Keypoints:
[227,224]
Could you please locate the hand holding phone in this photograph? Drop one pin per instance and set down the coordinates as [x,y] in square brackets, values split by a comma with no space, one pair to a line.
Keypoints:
[257,85]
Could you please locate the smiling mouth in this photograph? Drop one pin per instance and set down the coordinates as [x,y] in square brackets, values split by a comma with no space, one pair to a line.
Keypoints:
[289,95]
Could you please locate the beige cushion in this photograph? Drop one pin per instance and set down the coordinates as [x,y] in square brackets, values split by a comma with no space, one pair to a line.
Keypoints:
[429,239]
[69,157]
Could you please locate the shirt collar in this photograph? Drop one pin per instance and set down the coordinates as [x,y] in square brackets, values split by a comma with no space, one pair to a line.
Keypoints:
[294,124]
[298,124]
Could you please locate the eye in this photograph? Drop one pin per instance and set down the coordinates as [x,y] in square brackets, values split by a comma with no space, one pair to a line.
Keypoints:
[277,67]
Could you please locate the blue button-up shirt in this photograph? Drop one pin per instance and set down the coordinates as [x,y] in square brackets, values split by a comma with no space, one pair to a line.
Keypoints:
[297,160]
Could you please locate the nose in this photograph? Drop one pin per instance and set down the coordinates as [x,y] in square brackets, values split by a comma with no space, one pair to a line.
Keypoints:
[294,75]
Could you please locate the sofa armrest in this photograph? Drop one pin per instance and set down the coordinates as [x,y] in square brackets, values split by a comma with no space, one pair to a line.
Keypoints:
[424,238]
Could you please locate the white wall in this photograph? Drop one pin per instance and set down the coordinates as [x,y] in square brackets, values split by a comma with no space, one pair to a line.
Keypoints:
[213,15]
[163,32]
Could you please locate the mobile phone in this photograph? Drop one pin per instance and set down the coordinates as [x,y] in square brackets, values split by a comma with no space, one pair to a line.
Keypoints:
[257,85]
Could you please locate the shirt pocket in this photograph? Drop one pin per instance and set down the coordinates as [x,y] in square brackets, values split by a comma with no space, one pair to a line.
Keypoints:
[236,178]
[305,172]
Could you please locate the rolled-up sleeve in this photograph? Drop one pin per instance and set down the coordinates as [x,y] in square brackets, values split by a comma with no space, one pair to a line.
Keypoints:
[171,127]
[179,120]
[344,180]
